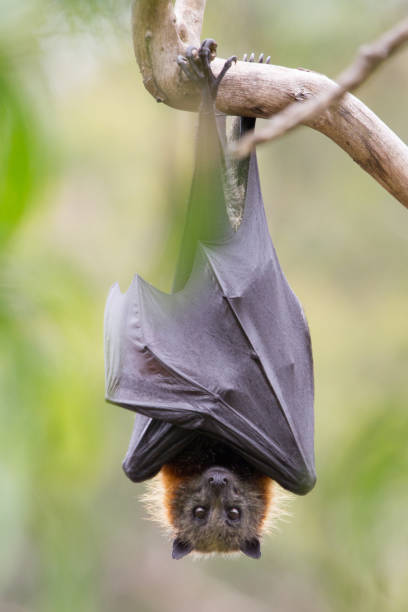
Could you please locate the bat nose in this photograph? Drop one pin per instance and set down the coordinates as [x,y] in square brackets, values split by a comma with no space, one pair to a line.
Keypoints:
[217,478]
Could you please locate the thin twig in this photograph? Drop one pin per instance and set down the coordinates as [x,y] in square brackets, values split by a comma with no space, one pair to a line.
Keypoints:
[370,56]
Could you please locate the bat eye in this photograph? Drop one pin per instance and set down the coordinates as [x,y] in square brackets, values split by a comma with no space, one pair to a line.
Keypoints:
[199,512]
[233,514]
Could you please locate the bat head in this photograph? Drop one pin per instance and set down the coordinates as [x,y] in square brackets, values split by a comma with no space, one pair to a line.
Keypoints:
[212,501]
[218,511]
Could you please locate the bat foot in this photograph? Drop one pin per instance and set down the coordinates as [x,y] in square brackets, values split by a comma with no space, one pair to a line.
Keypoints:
[251,58]
[196,65]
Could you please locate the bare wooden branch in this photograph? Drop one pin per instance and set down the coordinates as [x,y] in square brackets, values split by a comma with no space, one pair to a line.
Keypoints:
[161,32]
[368,59]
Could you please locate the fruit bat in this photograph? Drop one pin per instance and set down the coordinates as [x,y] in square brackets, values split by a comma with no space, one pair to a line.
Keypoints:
[227,354]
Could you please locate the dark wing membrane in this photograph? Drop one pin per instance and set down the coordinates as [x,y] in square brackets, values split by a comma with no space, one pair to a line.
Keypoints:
[228,354]
[152,444]
[271,317]
[187,360]
[206,219]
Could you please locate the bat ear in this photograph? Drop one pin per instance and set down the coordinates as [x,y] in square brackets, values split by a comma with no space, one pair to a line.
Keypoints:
[181,549]
[251,548]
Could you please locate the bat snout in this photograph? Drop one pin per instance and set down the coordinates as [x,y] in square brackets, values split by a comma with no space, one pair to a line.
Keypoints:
[217,478]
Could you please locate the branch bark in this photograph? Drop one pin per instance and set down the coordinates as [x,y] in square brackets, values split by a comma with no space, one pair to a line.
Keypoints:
[368,59]
[161,32]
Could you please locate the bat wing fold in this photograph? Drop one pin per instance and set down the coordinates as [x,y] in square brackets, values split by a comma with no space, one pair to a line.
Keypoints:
[227,354]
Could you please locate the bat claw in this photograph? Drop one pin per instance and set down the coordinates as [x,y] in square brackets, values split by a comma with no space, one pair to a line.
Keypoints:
[185,68]
[196,65]
[227,65]
[191,52]
[191,56]
[251,58]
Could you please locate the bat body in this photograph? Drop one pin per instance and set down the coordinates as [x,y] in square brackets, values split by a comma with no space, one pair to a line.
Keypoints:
[222,365]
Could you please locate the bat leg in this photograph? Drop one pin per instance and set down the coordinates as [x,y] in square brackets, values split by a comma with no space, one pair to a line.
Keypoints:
[248,123]
[225,68]
[196,65]
[192,56]
[186,67]
[206,54]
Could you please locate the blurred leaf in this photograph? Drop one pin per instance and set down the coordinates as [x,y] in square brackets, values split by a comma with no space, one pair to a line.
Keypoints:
[375,459]
[21,161]
[86,11]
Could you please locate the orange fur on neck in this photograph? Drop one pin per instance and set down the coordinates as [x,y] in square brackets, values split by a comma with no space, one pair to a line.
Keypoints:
[171,480]
[267,487]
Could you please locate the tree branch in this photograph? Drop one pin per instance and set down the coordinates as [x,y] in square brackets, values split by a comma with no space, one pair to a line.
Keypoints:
[161,32]
[368,59]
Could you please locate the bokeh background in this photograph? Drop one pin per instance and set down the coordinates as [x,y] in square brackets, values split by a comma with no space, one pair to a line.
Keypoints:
[94,179]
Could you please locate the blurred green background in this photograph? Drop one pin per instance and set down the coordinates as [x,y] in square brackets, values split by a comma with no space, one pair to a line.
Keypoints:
[94,178]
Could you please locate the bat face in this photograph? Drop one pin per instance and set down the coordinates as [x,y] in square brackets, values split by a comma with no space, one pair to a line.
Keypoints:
[218,511]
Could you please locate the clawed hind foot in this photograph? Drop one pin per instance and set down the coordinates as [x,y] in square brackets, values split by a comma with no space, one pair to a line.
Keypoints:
[196,65]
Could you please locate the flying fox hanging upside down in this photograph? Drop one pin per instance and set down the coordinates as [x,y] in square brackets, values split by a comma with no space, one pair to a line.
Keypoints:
[209,498]
[219,372]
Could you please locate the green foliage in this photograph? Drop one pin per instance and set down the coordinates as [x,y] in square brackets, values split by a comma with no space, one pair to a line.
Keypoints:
[20,156]
[89,9]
